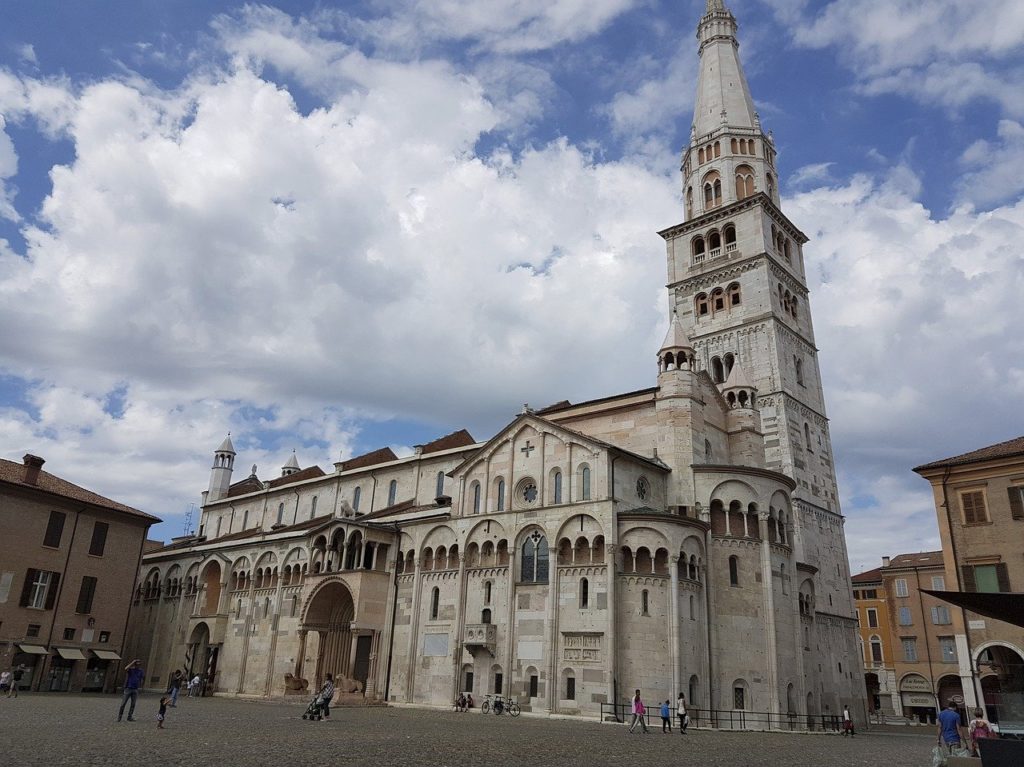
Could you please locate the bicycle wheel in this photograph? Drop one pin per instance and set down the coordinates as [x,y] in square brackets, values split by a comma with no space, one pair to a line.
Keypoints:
[485,707]
[513,709]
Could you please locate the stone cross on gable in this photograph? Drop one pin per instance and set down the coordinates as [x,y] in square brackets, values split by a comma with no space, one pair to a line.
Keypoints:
[528,449]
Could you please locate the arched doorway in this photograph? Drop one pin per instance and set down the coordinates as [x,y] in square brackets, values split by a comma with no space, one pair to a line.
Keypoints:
[329,615]
[1002,683]
[950,688]
[873,688]
[201,658]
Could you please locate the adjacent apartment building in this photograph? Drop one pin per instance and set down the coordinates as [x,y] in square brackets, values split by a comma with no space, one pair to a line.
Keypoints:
[871,603]
[979,500]
[69,563]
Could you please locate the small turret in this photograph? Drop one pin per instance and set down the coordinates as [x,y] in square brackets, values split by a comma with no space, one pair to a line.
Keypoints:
[737,389]
[291,467]
[220,473]
[676,352]
[742,421]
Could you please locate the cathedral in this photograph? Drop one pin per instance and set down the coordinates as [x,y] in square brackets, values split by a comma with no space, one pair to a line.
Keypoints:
[683,538]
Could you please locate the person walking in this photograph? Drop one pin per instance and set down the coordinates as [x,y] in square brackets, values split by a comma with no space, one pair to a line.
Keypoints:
[847,722]
[5,681]
[162,714]
[134,675]
[684,718]
[193,686]
[175,686]
[638,713]
[949,727]
[666,717]
[16,674]
[979,729]
[325,695]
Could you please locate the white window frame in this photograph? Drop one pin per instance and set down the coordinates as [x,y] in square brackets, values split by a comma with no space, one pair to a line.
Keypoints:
[900,586]
[938,583]
[41,585]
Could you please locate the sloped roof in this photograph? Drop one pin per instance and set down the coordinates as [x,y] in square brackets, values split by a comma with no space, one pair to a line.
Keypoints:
[566,404]
[310,472]
[250,484]
[868,576]
[14,473]
[399,507]
[921,559]
[737,378]
[460,438]
[676,337]
[292,462]
[1008,449]
[226,446]
[382,455]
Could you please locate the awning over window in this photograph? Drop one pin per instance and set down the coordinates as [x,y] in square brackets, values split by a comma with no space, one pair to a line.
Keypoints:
[106,654]
[70,653]
[1002,606]
[33,649]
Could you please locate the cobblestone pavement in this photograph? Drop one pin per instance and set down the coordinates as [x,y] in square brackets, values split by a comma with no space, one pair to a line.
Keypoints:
[73,729]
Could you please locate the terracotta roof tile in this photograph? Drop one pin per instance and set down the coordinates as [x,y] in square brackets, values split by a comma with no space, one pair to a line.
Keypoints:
[383,455]
[921,559]
[14,473]
[868,576]
[1008,449]
[248,485]
[310,472]
[460,438]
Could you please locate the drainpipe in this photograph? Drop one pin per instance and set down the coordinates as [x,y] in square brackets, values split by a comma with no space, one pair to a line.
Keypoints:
[60,592]
[295,516]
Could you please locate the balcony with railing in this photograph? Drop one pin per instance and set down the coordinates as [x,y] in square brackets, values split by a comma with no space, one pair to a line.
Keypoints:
[481,636]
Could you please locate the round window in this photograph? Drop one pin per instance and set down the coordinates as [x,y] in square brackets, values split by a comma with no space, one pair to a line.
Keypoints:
[643,488]
[527,492]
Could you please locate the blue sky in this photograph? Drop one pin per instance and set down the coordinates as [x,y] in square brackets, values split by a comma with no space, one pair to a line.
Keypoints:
[217,216]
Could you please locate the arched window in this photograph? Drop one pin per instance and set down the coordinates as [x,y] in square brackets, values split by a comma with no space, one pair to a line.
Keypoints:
[717,371]
[752,147]
[312,508]
[585,483]
[439,485]
[708,452]
[645,603]
[689,201]
[729,234]
[485,615]
[744,181]
[584,593]
[732,146]
[697,247]
[701,304]
[392,492]
[785,250]
[734,571]
[487,592]
[435,603]
[718,149]
[876,649]
[245,520]
[717,300]
[799,365]
[280,513]
[501,495]
[476,497]
[771,185]
[693,607]
[535,559]
[700,156]
[734,294]
[712,190]
[807,437]
[558,487]
[355,498]
[728,361]
[714,245]
[792,307]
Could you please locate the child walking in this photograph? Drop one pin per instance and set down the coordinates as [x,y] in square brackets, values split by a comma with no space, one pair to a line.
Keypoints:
[666,721]
[163,712]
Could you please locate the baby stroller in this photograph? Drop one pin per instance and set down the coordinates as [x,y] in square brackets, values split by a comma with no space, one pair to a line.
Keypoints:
[315,710]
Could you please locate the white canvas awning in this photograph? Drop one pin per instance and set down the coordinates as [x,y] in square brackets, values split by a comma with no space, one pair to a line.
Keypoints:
[71,653]
[33,649]
[106,655]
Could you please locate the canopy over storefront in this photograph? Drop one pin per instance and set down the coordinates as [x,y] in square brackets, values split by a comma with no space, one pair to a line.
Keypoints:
[1001,606]
[70,653]
[34,649]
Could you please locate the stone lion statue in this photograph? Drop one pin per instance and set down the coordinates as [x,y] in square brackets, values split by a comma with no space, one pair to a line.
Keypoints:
[295,683]
[344,684]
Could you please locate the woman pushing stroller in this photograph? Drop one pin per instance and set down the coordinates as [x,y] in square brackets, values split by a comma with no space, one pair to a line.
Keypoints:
[320,706]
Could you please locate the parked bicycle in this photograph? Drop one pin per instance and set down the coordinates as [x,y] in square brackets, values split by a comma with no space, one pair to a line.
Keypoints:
[499,704]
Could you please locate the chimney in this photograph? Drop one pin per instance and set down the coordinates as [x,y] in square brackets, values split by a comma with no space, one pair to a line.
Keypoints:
[33,463]
[885,561]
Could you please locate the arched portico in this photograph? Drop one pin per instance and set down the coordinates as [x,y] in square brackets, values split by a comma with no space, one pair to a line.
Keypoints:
[329,613]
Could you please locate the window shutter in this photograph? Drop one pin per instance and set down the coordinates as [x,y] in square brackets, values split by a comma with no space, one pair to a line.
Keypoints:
[99,539]
[86,594]
[51,593]
[1003,576]
[26,587]
[968,573]
[1016,502]
[974,507]
[935,615]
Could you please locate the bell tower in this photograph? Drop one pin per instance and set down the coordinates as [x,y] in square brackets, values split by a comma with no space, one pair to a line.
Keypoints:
[737,285]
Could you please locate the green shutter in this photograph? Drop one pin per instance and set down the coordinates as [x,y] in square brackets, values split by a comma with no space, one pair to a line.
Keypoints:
[1016,502]
[26,587]
[1003,576]
[968,573]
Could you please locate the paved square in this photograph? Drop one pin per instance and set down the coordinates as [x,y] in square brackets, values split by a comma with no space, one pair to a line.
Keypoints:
[81,730]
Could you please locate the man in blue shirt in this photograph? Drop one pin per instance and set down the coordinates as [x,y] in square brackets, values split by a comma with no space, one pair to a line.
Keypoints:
[134,675]
[949,727]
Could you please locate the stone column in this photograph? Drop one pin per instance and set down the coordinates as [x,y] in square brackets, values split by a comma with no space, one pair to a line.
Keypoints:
[673,623]
[611,648]
[460,626]
[275,622]
[768,589]
[554,587]
[250,618]
[389,621]
[710,647]
[414,628]
[510,615]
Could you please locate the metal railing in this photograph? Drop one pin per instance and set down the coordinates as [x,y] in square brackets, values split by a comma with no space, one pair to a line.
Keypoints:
[729,719]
